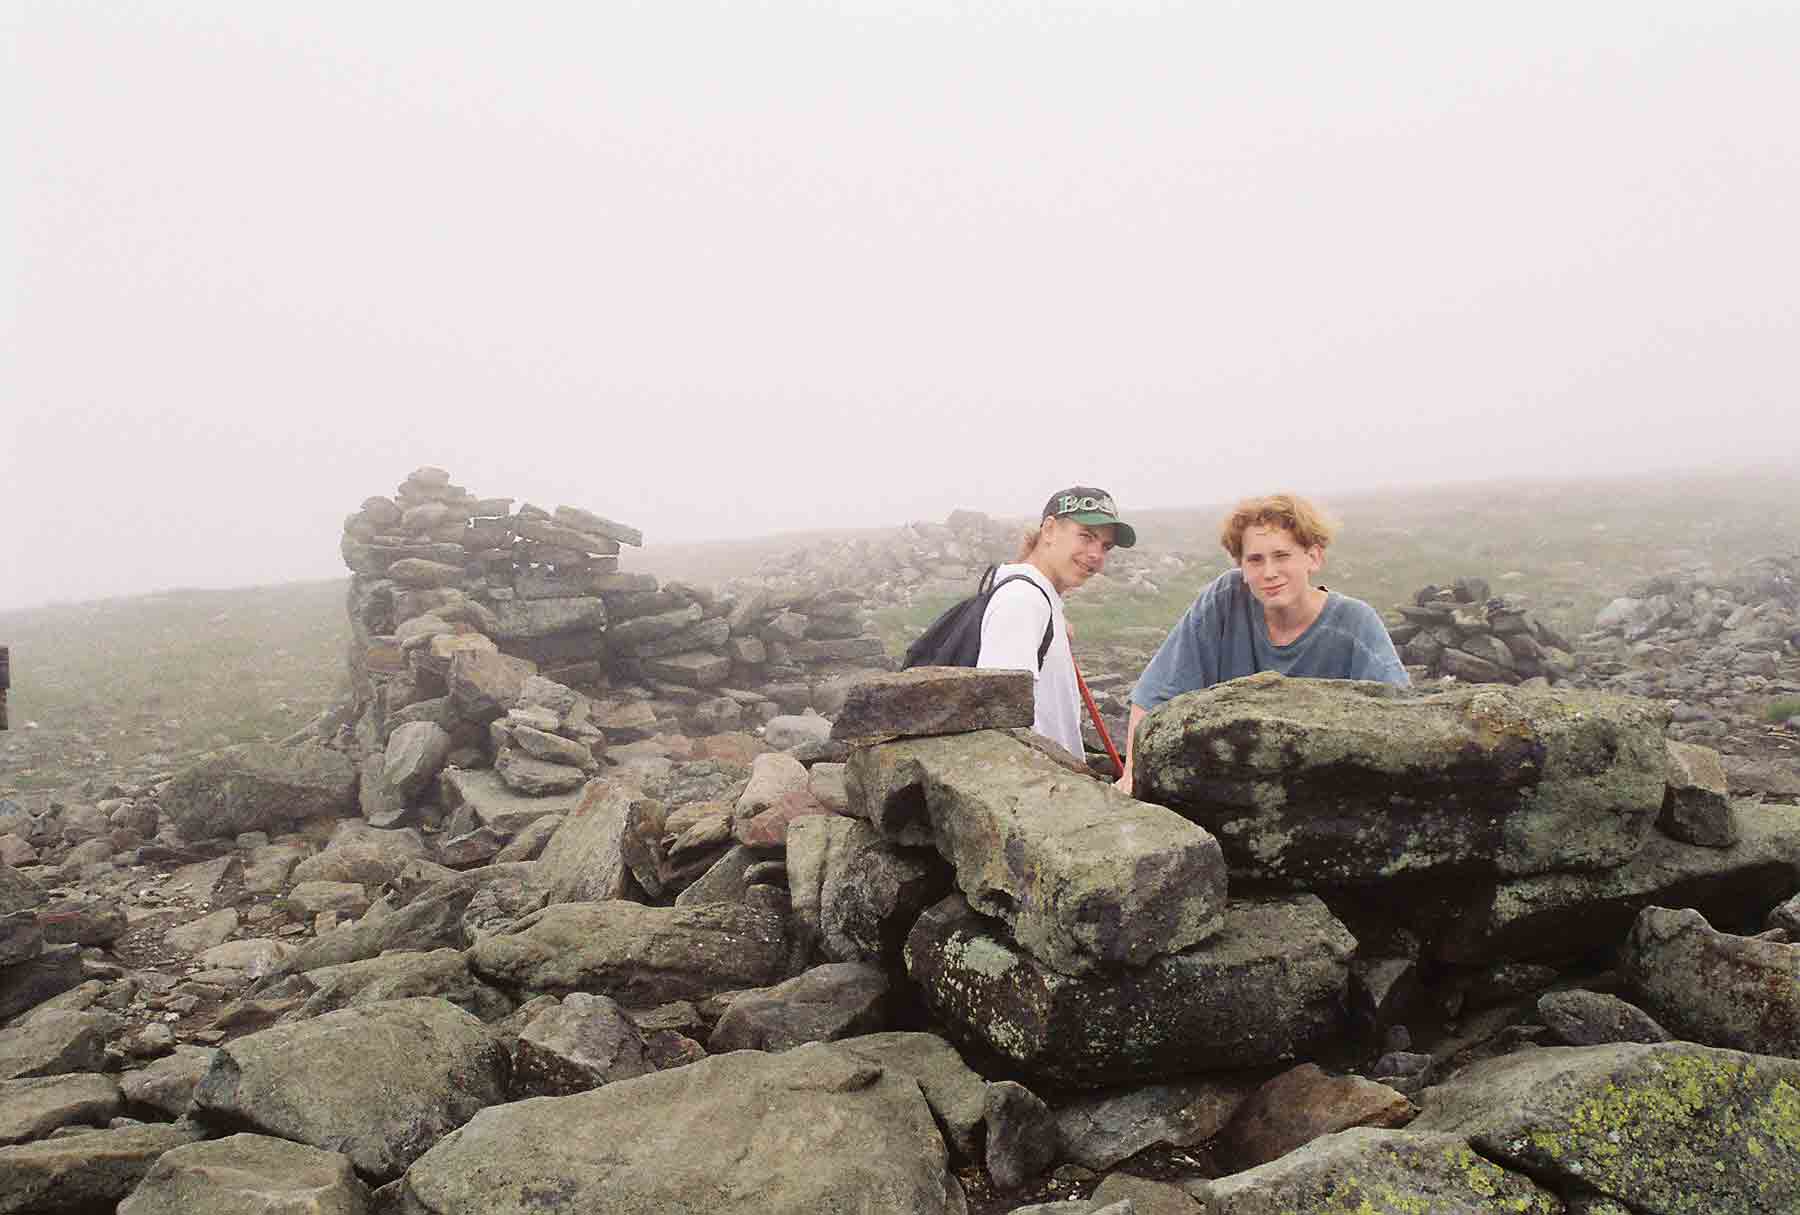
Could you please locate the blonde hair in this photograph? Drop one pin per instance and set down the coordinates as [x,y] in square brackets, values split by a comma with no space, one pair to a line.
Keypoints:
[1309,525]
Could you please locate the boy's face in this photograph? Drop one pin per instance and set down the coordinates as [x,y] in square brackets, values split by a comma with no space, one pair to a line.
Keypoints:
[1276,568]
[1070,553]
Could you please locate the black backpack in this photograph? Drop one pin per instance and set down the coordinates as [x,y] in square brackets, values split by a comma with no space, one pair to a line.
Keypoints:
[954,639]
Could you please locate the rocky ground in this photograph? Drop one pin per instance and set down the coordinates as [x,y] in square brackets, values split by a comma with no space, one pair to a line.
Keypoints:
[1547,969]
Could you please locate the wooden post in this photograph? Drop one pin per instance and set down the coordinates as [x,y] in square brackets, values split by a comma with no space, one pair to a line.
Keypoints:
[5,681]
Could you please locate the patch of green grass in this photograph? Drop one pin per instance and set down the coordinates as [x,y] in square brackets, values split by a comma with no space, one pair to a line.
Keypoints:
[1782,708]
[110,681]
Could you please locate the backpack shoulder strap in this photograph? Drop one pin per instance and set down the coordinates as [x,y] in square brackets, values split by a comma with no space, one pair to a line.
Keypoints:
[1049,625]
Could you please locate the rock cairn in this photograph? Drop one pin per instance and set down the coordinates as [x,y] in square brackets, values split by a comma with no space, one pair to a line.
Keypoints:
[1464,632]
[488,637]
[1719,647]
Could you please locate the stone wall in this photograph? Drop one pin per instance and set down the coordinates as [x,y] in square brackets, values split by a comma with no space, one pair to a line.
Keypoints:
[929,561]
[439,571]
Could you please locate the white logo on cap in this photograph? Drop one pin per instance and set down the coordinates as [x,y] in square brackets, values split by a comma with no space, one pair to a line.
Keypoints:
[1068,504]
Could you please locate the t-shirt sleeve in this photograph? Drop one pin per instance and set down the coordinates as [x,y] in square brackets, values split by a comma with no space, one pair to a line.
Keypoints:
[1375,655]
[1181,662]
[1012,628]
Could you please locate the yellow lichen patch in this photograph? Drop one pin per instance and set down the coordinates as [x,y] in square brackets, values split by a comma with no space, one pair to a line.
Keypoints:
[1685,1116]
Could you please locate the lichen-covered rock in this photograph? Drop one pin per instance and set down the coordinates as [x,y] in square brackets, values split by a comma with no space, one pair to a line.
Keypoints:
[1367,1171]
[1561,915]
[1713,987]
[77,1174]
[244,1172]
[1308,781]
[380,1083]
[1268,987]
[1083,876]
[259,787]
[637,955]
[812,1129]
[1673,1127]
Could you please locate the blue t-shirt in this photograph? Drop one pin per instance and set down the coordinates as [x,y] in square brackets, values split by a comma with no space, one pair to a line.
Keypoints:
[1224,636]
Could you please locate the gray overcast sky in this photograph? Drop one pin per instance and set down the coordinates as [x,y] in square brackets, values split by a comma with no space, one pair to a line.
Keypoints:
[728,269]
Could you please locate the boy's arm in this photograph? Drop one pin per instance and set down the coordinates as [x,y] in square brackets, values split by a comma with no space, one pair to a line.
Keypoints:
[1138,713]
[1178,666]
[1376,657]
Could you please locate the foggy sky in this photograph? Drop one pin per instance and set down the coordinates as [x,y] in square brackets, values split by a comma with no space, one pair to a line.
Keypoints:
[721,270]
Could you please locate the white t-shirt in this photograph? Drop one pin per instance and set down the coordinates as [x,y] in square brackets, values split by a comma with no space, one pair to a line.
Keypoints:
[1012,628]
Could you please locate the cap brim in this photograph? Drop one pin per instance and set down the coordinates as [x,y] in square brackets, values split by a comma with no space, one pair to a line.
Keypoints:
[1124,535]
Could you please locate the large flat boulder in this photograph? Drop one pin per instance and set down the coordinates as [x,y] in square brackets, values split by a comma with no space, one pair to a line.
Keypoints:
[402,975]
[956,1093]
[1310,781]
[1084,876]
[1559,915]
[494,804]
[1670,1127]
[81,1174]
[259,787]
[1368,1171]
[813,1129]
[32,1108]
[934,700]
[243,1173]
[1268,987]
[380,1083]
[56,1043]
[640,956]
[1714,987]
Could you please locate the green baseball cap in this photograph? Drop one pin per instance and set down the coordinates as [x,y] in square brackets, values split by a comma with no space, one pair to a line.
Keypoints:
[1085,504]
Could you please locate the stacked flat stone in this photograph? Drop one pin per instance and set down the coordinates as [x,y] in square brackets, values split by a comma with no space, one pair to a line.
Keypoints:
[1090,940]
[31,969]
[1463,632]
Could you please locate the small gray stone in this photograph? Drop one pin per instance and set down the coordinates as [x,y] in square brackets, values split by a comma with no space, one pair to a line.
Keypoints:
[1591,1018]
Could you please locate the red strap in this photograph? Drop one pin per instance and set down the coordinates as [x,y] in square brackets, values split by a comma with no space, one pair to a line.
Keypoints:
[1100,725]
